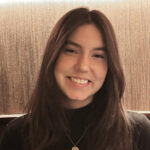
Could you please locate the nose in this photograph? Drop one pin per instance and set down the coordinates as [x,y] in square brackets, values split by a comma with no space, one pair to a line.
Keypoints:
[82,64]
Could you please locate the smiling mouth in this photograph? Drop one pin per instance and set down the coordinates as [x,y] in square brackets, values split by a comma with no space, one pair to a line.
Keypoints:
[79,80]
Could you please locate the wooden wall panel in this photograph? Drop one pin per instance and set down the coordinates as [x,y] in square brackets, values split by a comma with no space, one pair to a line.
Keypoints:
[24,30]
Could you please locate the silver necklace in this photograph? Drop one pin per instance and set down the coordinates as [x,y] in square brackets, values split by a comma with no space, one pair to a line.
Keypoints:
[75,145]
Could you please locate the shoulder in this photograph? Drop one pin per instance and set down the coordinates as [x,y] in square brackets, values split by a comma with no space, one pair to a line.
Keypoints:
[14,134]
[141,128]
[17,122]
[17,125]
[139,119]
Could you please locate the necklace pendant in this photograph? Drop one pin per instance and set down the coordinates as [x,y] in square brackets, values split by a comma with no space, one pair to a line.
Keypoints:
[75,148]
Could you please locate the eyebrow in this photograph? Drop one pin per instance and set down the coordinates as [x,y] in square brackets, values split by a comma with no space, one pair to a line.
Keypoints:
[79,46]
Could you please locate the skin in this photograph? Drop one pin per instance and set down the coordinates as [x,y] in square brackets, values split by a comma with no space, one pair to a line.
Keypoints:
[81,67]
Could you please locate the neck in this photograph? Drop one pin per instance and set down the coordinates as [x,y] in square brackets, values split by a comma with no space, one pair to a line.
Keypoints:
[76,104]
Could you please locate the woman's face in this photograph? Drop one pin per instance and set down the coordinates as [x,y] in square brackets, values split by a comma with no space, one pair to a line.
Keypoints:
[81,67]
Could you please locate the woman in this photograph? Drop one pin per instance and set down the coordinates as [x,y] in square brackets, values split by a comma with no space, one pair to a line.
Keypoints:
[77,100]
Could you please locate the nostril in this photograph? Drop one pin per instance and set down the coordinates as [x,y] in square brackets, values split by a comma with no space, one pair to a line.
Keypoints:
[68,77]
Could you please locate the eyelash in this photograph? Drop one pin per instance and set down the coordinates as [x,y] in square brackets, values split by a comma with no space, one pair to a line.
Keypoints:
[98,56]
[74,51]
[69,51]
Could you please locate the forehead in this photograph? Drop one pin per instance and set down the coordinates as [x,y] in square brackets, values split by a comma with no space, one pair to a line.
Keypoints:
[87,34]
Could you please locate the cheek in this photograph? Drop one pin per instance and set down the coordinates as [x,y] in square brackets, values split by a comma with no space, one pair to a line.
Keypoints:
[100,78]
[62,65]
[101,71]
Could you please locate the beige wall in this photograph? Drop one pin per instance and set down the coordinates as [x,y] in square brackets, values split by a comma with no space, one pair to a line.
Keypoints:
[24,29]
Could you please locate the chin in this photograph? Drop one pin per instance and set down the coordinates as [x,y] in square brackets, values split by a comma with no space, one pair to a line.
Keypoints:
[78,98]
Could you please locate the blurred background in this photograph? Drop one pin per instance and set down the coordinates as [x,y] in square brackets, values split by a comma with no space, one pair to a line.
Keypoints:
[24,30]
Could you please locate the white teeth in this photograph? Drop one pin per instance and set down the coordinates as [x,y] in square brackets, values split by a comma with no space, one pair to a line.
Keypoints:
[79,81]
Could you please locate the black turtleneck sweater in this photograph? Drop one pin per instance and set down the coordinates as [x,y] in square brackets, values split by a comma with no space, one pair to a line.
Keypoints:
[14,139]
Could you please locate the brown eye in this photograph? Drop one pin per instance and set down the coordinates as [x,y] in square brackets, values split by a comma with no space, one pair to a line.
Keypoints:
[69,51]
[98,56]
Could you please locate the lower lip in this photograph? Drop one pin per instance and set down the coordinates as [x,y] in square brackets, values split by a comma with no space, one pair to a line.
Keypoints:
[75,84]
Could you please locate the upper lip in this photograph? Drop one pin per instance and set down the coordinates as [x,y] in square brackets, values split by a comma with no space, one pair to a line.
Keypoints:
[81,78]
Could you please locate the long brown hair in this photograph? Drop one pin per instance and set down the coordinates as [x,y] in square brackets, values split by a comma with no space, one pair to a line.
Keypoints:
[110,129]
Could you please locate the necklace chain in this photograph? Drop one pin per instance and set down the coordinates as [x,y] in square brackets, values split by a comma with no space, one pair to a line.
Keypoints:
[78,141]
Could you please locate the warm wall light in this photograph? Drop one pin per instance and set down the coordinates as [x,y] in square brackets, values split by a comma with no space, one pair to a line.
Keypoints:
[41,1]
[22,1]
